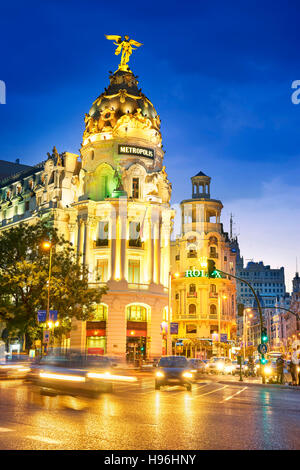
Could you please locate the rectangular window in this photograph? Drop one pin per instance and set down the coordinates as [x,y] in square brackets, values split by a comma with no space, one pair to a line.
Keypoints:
[134,234]
[102,234]
[27,206]
[102,270]
[134,271]
[135,187]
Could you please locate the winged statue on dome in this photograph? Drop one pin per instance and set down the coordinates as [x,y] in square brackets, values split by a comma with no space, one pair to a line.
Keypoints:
[124,45]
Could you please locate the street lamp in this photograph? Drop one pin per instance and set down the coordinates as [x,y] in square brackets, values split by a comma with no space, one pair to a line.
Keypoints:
[47,245]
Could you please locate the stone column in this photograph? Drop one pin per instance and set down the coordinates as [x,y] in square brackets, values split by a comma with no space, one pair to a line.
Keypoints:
[123,236]
[154,329]
[116,326]
[113,223]
[78,335]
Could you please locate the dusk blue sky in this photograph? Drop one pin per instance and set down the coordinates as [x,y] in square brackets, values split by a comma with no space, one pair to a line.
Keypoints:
[219,74]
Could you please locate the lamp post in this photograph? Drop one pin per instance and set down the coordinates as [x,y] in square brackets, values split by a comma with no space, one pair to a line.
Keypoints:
[47,245]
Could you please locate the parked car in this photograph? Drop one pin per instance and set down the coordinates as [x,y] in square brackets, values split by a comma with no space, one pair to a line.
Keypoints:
[197,367]
[173,370]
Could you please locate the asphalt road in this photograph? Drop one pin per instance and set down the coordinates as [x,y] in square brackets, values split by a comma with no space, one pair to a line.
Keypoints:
[135,416]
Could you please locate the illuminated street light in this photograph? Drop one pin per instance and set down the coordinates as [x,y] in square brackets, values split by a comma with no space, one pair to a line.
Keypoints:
[47,245]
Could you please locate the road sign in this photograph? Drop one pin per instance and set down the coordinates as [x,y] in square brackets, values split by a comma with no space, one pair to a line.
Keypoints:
[262,348]
[174,328]
[223,337]
[46,336]
[53,315]
[41,316]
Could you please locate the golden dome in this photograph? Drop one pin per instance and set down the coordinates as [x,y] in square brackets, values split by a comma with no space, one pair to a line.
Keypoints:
[122,109]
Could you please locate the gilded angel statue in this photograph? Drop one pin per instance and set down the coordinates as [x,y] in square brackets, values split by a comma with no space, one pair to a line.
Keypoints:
[125,46]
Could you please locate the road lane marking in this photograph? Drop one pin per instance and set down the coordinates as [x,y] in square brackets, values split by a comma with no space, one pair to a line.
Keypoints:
[43,439]
[212,391]
[5,430]
[231,396]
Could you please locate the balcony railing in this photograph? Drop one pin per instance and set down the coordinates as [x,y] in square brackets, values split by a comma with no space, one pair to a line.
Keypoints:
[213,295]
[213,317]
[192,254]
[191,295]
[101,242]
[213,255]
[186,316]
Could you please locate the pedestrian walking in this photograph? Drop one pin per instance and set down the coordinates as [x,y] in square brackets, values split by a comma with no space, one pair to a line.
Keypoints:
[294,366]
[280,367]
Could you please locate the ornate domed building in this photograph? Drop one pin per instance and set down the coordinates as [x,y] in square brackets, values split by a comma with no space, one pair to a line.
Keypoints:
[112,203]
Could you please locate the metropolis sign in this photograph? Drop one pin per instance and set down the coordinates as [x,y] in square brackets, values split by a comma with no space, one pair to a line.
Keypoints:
[132,150]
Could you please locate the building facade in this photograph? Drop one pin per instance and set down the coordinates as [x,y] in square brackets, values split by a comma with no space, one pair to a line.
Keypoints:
[112,203]
[202,307]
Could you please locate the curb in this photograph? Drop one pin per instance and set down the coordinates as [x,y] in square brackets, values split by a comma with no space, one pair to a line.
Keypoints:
[251,384]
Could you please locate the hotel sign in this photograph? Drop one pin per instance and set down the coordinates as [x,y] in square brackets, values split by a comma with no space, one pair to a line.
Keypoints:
[132,150]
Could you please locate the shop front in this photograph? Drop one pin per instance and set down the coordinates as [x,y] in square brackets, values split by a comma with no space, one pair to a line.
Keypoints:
[136,334]
[96,338]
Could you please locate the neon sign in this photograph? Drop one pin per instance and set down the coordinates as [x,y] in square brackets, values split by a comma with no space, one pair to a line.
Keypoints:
[201,273]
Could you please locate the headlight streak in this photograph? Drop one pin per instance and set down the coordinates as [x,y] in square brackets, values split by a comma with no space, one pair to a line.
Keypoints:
[69,378]
[109,376]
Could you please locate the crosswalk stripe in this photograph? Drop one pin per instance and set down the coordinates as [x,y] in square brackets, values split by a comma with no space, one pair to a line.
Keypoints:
[231,396]
[212,391]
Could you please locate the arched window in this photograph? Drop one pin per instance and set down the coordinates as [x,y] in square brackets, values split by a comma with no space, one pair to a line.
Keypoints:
[213,310]
[192,309]
[100,312]
[192,289]
[136,313]
[213,252]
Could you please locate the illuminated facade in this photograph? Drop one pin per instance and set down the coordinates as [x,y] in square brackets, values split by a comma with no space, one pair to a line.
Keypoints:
[202,306]
[112,203]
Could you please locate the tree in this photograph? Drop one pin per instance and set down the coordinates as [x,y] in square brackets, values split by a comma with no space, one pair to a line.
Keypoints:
[24,270]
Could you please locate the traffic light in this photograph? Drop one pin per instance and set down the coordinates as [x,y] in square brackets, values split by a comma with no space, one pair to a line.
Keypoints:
[240,310]
[264,335]
[211,267]
[263,360]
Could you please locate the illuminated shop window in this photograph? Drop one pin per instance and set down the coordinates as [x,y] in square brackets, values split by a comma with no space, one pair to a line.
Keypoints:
[134,271]
[191,329]
[102,270]
[96,345]
[136,313]
[100,312]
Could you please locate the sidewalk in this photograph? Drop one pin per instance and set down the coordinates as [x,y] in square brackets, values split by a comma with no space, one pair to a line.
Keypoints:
[254,381]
